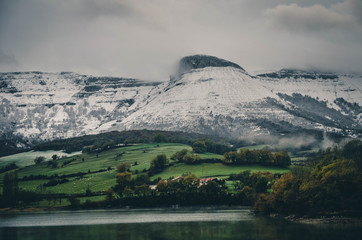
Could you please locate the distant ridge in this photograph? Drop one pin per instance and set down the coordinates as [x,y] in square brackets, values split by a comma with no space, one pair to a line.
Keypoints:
[296,74]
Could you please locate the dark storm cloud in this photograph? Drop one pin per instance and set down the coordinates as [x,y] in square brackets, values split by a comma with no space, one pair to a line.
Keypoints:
[356,6]
[314,18]
[145,38]
[352,7]
[94,8]
[6,59]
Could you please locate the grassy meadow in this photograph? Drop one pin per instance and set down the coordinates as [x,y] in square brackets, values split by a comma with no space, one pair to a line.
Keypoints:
[138,158]
[213,170]
[27,158]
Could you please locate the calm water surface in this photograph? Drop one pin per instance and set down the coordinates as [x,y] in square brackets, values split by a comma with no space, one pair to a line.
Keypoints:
[159,224]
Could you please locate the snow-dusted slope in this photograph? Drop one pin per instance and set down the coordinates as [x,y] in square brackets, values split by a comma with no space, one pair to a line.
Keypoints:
[323,86]
[334,100]
[206,100]
[207,95]
[43,106]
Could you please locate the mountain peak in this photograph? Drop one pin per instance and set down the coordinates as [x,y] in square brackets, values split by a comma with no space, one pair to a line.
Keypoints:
[201,61]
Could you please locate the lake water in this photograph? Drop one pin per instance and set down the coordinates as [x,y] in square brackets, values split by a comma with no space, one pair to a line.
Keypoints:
[161,224]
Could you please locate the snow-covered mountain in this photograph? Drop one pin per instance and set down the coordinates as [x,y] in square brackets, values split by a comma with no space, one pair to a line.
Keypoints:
[207,95]
[214,96]
[38,106]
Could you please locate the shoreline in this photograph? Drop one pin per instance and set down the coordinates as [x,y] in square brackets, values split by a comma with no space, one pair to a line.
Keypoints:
[174,207]
[29,209]
[323,219]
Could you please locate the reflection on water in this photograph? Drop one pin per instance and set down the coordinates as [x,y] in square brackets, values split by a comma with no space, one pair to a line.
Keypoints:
[182,224]
[124,216]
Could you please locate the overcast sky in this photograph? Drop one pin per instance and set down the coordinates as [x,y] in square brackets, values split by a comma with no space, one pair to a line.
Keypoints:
[145,38]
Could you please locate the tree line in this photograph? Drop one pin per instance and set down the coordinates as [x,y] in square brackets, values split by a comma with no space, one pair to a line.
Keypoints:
[330,183]
[103,140]
[262,157]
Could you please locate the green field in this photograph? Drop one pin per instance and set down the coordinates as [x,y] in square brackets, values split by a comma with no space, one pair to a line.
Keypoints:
[213,170]
[27,158]
[138,157]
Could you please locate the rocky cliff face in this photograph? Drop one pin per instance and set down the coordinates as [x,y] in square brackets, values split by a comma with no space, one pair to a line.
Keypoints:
[201,61]
[207,95]
[37,106]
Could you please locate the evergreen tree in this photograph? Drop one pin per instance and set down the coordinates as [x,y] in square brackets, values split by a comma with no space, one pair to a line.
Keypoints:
[10,188]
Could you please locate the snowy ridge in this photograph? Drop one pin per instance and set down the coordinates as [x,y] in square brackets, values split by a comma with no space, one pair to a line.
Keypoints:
[341,93]
[348,87]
